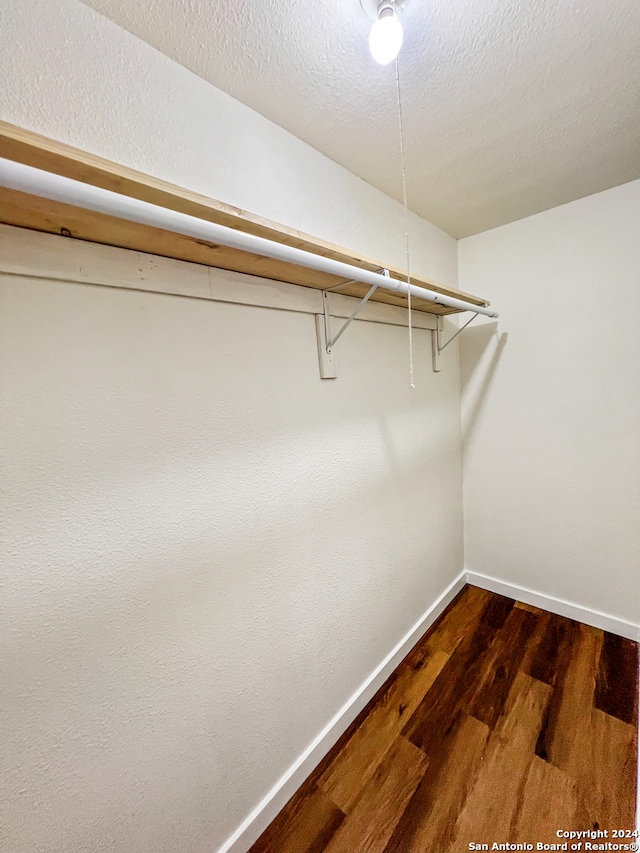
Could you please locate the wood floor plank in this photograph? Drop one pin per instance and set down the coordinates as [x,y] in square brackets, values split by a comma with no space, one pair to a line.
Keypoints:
[551,648]
[460,621]
[529,608]
[548,803]
[569,717]
[554,671]
[605,772]
[369,826]
[617,679]
[431,815]
[503,662]
[531,652]
[458,680]
[356,763]
[596,749]
[496,793]
[307,828]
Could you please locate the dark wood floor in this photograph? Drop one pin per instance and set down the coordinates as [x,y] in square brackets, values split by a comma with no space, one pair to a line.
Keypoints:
[504,724]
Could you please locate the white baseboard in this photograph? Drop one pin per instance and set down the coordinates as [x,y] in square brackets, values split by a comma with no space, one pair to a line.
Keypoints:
[260,818]
[556,605]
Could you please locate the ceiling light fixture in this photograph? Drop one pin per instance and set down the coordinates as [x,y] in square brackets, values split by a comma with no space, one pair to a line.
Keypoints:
[385,38]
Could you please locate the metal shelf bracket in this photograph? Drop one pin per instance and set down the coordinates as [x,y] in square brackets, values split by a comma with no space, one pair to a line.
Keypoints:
[327,341]
[437,347]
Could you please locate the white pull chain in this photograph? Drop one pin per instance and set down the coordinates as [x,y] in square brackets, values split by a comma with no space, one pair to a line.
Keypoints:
[406,220]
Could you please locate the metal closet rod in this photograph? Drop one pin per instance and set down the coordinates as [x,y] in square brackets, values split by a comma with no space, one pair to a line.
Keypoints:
[37,182]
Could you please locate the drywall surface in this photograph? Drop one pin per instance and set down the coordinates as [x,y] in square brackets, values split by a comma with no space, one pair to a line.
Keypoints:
[73,75]
[551,403]
[206,550]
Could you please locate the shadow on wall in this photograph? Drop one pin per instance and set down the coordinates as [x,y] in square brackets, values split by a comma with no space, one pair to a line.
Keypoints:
[476,388]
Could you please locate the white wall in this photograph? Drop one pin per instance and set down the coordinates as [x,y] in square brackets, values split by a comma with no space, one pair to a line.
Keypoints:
[551,403]
[206,549]
[71,74]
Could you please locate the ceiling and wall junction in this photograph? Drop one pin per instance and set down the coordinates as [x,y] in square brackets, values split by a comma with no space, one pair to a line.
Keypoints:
[511,107]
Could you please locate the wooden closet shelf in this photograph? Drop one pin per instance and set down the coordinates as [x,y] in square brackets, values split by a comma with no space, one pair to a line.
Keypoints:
[41,214]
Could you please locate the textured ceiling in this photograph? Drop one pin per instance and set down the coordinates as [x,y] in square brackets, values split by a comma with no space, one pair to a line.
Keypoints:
[510,106]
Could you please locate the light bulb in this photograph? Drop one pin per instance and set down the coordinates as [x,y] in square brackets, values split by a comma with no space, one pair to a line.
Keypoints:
[385,38]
